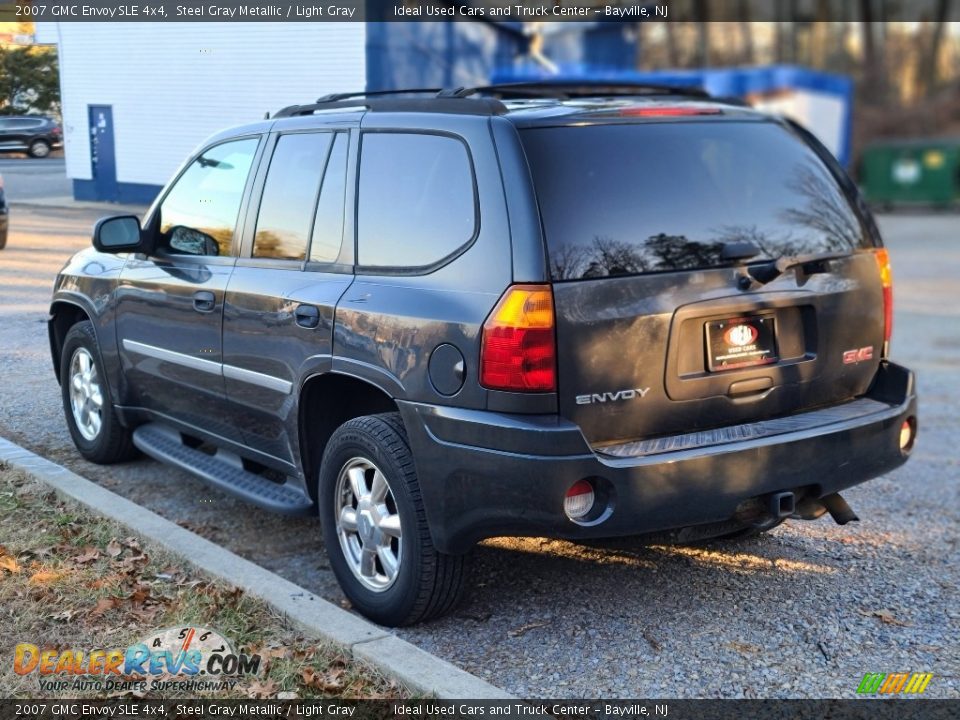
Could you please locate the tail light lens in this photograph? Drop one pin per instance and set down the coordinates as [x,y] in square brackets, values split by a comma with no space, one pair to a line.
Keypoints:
[518,351]
[886,280]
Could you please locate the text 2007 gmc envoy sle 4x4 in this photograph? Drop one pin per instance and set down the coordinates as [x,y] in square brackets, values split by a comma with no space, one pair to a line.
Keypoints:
[551,310]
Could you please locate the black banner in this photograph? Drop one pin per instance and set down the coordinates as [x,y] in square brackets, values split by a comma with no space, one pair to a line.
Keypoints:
[860,709]
[516,11]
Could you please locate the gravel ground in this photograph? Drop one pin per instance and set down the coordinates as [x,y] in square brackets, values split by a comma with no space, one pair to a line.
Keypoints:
[802,612]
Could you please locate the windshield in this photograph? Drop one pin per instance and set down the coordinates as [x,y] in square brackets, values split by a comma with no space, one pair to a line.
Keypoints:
[659,197]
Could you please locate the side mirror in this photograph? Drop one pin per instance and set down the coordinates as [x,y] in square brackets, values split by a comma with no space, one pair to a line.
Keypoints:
[117,234]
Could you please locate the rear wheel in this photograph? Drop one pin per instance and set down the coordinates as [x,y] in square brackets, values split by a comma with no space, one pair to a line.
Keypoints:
[39,149]
[87,404]
[375,527]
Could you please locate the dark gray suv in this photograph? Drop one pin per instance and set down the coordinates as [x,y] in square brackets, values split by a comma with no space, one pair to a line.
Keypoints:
[437,317]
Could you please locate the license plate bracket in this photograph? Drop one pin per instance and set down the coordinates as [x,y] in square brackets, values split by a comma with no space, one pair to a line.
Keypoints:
[741,342]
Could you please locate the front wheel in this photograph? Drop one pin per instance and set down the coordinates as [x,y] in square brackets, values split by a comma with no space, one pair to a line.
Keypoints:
[375,528]
[87,405]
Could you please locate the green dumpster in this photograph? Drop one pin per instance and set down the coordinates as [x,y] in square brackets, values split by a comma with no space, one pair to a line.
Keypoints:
[894,172]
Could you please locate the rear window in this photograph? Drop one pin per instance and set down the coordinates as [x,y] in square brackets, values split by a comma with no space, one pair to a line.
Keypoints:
[660,197]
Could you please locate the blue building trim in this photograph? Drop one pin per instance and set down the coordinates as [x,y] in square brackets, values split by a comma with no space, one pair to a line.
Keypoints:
[127,193]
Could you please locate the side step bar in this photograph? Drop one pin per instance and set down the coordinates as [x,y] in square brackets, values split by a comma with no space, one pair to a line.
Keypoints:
[165,444]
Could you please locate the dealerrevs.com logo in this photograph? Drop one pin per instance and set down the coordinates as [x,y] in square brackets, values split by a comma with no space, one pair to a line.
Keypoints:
[894,683]
[183,658]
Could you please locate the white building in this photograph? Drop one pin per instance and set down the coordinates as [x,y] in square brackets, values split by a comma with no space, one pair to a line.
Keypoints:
[138,97]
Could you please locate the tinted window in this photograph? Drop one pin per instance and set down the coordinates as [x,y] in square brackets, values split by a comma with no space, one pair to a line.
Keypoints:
[416,199]
[624,199]
[290,196]
[199,214]
[328,224]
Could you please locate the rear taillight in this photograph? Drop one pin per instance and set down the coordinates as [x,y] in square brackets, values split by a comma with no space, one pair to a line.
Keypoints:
[518,351]
[886,280]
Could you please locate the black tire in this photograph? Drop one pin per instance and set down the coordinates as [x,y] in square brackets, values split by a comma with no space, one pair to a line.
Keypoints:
[112,442]
[428,583]
[39,149]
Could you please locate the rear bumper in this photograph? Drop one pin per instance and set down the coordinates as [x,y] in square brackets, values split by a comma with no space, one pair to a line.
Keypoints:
[486,474]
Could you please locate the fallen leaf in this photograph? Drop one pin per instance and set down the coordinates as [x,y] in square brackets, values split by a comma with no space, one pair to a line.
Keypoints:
[262,689]
[524,629]
[66,615]
[742,647]
[44,576]
[654,643]
[268,653]
[114,548]
[87,555]
[103,605]
[139,596]
[885,616]
[9,564]
[328,682]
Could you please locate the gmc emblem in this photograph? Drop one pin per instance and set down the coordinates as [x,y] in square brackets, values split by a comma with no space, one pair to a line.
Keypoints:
[851,357]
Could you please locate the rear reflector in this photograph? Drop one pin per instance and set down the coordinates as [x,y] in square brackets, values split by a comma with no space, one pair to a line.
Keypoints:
[579,500]
[908,433]
[886,280]
[667,111]
[518,350]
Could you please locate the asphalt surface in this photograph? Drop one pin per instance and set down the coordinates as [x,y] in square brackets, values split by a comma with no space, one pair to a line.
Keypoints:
[26,178]
[804,611]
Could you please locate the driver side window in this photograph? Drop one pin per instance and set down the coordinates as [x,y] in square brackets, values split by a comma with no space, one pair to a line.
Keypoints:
[199,214]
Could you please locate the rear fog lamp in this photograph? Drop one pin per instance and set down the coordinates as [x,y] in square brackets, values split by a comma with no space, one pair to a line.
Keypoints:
[579,500]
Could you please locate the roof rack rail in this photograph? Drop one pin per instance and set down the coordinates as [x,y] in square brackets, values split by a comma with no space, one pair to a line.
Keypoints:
[399,101]
[570,89]
[336,97]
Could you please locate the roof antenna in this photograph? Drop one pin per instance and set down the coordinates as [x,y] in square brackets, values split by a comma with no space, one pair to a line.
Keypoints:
[266,115]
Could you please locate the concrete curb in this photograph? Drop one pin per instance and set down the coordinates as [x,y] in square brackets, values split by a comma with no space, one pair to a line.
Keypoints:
[415,668]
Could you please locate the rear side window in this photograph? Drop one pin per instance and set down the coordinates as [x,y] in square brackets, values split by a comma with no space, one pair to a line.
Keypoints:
[656,197]
[290,196]
[328,223]
[416,202]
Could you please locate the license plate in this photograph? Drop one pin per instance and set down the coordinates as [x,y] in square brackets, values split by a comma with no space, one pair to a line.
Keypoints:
[741,342]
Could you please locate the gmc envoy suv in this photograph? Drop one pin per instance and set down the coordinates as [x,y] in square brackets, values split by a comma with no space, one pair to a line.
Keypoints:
[435,317]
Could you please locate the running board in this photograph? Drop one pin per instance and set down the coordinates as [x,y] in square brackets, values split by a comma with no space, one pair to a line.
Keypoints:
[165,444]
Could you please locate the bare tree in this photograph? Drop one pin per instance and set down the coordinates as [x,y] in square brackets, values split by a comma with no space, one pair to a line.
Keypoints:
[928,68]
[748,55]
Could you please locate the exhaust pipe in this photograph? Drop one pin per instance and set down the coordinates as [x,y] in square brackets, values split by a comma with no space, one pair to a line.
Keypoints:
[838,509]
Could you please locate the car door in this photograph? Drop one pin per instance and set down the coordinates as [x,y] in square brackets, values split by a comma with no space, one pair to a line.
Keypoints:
[7,139]
[170,304]
[281,298]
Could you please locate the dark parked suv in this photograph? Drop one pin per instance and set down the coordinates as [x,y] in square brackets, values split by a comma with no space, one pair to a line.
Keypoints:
[434,318]
[36,135]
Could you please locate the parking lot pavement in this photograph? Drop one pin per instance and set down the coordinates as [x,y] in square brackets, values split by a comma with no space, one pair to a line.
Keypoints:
[802,612]
[26,178]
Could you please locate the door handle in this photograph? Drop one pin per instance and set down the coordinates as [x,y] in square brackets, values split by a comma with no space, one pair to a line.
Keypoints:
[307,316]
[204,301]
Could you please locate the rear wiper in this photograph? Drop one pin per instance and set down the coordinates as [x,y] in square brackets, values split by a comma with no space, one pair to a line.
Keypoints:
[809,265]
